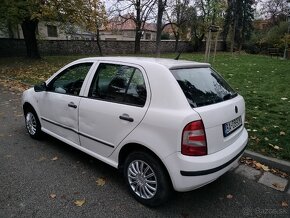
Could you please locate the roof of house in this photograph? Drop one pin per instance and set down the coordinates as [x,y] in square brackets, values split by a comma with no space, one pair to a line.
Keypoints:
[125,23]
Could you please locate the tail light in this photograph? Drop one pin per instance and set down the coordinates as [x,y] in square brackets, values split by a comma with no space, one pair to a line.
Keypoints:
[194,139]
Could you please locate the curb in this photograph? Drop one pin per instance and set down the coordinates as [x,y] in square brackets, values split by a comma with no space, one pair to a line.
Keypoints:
[270,161]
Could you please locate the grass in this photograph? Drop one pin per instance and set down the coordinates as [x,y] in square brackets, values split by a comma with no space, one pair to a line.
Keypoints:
[263,82]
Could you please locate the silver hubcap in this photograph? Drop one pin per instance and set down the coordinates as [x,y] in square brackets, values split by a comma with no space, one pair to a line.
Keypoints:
[31,123]
[142,179]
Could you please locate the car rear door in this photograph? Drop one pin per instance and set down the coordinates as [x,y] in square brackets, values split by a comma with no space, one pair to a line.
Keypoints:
[116,102]
[59,104]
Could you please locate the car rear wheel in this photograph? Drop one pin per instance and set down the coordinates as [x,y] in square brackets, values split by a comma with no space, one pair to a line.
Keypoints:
[146,179]
[32,124]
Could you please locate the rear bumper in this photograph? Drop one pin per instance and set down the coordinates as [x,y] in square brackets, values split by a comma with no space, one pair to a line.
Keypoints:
[188,173]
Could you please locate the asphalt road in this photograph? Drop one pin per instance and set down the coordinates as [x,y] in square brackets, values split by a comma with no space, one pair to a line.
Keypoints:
[28,176]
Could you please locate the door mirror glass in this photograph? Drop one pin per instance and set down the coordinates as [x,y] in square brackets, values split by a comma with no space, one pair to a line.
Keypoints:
[40,88]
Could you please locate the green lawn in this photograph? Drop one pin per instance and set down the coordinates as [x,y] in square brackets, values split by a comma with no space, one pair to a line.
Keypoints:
[263,81]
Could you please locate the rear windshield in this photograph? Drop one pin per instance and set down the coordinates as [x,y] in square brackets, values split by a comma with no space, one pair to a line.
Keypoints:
[203,86]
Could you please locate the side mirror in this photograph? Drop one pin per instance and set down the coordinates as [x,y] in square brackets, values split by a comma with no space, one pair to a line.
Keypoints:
[40,88]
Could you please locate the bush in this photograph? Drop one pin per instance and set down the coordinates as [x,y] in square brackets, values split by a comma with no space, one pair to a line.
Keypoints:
[274,37]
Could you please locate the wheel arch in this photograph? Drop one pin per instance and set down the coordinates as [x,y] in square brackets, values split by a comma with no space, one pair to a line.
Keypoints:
[27,106]
[132,147]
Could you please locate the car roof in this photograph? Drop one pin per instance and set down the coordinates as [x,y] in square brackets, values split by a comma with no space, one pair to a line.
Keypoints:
[168,63]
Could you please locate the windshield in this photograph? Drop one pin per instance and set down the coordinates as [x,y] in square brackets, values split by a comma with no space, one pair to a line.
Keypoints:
[203,86]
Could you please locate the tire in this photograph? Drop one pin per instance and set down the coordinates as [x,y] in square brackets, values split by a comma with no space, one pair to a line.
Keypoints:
[32,124]
[153,190]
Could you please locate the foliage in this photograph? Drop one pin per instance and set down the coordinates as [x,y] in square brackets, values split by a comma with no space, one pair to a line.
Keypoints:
[238,20]
[27,13]
[274,37]
[261,80]
[192,19]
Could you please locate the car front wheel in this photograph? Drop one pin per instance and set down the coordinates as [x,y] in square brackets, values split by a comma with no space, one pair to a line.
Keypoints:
[146,179]
[32,124]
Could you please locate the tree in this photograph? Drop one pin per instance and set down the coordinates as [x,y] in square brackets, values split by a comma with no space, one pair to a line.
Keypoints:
[94,17]
[28,13]
[275,10]
[139,12]
[239,17]
[177,18]
[160,10]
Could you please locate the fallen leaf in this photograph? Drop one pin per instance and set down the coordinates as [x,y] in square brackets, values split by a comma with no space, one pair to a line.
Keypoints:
[284,99]
[277,185]
[254,130]
[282,133]
[264,129]
[276,147]
[262,166]
[55,158]
[41,159]
[101,181]
[79,203]
[52,196]
[229,196]
[266,139]
[284,204]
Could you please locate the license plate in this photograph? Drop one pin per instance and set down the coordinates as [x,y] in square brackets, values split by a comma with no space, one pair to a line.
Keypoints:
[231,126]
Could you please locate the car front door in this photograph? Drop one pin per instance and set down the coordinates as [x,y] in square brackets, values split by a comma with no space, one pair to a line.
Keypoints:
[116,102]
[59,104]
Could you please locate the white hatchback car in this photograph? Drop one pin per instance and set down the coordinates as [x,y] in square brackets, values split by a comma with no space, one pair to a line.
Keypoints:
[165,123]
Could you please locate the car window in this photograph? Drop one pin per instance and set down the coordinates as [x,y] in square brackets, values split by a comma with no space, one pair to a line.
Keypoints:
[119,83]
[203,86]
[70,81]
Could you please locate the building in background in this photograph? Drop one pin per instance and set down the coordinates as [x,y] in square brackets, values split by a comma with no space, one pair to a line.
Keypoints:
[124,29]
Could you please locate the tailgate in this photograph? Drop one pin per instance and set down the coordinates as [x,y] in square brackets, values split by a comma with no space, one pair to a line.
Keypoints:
[221,122]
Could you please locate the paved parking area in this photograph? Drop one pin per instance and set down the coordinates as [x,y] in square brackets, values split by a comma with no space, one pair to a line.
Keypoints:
[45,178]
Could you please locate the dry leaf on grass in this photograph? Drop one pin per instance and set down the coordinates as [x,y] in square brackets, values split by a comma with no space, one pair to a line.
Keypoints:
[79,203]
[229,196]
[284,204]
[55,158]
[276,147]
[101,181]
[282,133]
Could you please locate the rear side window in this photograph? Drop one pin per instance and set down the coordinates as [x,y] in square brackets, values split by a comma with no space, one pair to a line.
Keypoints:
[203,86]
[120,84]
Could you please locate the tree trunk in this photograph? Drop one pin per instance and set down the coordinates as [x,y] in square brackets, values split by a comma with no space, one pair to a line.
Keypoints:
[138,24]
[98,42]
[10,30]
[29,28]
[138,36]
[176,42]
[159,25]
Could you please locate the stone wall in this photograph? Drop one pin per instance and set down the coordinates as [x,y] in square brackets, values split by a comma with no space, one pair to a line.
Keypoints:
[16,47]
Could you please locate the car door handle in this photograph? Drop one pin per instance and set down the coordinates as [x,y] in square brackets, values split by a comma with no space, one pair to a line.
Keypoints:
[126,117]
[71,104]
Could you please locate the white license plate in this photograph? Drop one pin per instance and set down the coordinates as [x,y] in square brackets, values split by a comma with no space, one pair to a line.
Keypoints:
[231,126]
